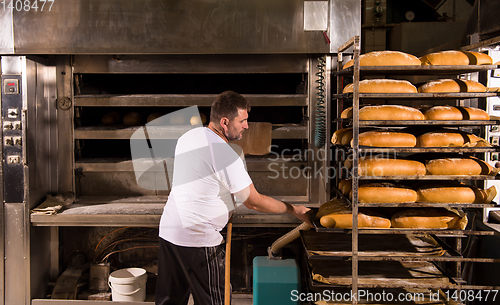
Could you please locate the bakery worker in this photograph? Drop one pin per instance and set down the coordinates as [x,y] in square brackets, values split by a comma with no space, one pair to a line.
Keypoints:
[207,175]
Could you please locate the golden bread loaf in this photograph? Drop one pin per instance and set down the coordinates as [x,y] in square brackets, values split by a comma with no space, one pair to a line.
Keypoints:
[455,194]
[429,218]
[385,193]
[387,139]
[459,166]
[385,58]
[478,58]
[446,138]
[336,214]
[454,58]
[382,86]
[345,186]
[344,221]
[346,113]
[452,113]
[374,166]
[339,134]
[385,113]
[451,86]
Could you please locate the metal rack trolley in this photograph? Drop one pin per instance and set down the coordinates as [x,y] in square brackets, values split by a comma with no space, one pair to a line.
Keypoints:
[453,252]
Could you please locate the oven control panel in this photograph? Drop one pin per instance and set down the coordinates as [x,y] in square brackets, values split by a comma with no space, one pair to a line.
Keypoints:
[12,135]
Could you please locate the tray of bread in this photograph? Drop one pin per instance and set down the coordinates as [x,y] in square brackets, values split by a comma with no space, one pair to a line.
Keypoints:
[448,88]
[335,216]
[418,70]
[449,62]
[415,139]
[400,115]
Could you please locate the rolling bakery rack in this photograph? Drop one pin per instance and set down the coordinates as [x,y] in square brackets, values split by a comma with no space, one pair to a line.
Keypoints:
[342,250]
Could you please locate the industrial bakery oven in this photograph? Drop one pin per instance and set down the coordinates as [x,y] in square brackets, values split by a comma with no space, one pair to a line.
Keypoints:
[65,70]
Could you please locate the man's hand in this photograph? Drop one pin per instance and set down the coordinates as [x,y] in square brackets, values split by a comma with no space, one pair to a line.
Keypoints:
[300,212]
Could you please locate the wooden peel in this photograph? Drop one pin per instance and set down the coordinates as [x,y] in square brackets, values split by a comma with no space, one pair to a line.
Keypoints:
[256,140]
[227,277]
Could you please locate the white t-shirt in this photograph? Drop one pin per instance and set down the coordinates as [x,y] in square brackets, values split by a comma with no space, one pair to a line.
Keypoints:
[206,172]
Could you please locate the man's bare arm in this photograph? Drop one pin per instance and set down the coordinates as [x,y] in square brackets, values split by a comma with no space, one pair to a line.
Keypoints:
[253,200]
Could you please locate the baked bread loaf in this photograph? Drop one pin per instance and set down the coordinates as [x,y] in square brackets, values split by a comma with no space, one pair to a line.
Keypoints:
[346,113]
[478,58]
[385,58]
[385,113]
[459,166]
[453,58]
[332,206]
[382,86]
[459,193]
[336,214]
[387,139]
[446,138]
[376,166]
[429,218]
[111,118]
[385,193]
[345,186]
[132,119]
[344,136]
[153,116]
[451,113]
[451,86]
[339,134]
[343,220]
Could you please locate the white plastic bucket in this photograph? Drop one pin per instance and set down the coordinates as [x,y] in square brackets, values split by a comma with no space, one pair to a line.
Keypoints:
[128,285]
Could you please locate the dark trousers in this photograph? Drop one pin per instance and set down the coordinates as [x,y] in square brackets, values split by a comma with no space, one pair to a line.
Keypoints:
[185,270]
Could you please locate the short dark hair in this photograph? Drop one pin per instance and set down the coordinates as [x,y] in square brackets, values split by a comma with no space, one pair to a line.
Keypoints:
[226,105]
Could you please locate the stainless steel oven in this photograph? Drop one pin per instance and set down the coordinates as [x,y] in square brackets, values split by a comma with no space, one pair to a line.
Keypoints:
[69,65]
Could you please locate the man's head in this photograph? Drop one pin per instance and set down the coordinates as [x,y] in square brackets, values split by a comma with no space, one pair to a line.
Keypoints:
[229,111]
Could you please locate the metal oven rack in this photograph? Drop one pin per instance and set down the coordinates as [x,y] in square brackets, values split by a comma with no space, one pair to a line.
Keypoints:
[353,255]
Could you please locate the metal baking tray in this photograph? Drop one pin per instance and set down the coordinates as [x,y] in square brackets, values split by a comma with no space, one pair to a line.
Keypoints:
[438,232]
[374,149]
[422,96]
[418,204]
[421,122]
[320,246]
[432,177]
[429,149]
[428,205]
[417,70]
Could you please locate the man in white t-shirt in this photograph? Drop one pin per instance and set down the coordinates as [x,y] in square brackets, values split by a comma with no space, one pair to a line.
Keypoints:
[208,173]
